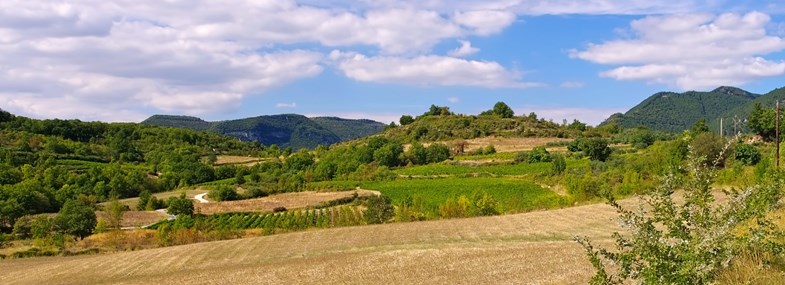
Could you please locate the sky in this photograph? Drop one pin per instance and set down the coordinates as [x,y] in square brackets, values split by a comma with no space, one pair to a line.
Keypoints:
[124,60]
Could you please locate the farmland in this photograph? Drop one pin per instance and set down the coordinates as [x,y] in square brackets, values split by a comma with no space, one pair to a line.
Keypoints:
[527,248]
[296,200]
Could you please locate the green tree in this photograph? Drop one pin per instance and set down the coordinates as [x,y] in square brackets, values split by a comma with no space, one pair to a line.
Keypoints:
[417,154]
[762,122]
[223,193]
[596,148]
[501,109]
[76,218]
[180,206]
[380,210]
[539,154]
[115,209]
[388,154]
[438,152]
[405,120]
[700,127]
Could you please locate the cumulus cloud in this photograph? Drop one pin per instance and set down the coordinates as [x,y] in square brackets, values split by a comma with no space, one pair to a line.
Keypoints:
[428,70]
[465,49]
[692,51]
[453,100]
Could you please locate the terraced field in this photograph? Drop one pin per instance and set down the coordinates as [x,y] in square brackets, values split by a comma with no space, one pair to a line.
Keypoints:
[529,248]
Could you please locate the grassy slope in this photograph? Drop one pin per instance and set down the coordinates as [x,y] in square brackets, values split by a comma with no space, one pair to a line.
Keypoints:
[530,248]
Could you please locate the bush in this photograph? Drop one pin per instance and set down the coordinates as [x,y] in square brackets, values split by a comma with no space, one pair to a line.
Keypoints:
[558,164]
[223,193]
[380,210]
[747,154]
[539,154]
[180,206]
[710,149]
[692,242]
[521,156]
[596,148]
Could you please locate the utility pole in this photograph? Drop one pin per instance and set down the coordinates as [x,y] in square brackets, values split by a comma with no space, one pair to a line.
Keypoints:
[721,133]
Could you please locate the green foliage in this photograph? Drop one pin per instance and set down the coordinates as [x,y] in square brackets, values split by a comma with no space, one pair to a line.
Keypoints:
[379,211]
[388,154]
[558,164]
[670,242]
[180,206]
[499,109]
[405,120]
[438,111]
[762,121]
[710,148]
[223,193]
[747,154]
[595,148]
[539,154]
[76,218]
[437,152]
[699,127]
[510,195]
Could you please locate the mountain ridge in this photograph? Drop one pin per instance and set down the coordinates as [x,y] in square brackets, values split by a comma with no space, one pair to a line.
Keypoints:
[285,130]
[672,111]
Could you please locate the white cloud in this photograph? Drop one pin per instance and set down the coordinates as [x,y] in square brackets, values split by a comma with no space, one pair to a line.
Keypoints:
[428,70]
[286,105]
[465,49]
[485,22]
[591,116]
[573,84]
[692,51]
[454,100]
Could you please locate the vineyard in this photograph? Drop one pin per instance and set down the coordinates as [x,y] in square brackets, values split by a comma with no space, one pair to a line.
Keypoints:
[505,169]
[269,222]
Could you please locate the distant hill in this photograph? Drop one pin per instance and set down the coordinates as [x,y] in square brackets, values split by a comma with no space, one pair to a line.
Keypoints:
[287,130]
[669,111]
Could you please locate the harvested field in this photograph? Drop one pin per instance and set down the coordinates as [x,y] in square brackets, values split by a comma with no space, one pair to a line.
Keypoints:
[296,200]
[507,144]
[529,248]
[232,159]
[513,144]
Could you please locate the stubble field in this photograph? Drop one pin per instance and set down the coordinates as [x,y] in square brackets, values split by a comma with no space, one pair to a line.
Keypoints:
[529,248]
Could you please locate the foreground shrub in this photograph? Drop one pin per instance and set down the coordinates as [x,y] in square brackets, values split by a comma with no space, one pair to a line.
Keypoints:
[689,242]
[747,154]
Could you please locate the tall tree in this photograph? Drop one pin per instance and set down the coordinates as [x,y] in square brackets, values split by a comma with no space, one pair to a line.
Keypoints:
[76,218]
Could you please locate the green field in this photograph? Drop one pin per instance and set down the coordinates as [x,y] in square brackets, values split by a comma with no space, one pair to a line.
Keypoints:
[512,195]
[497,169]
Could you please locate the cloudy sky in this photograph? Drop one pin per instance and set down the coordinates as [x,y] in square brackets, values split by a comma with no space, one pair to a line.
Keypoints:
[124,60]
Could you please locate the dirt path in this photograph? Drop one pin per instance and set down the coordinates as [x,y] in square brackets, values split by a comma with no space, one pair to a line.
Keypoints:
[200,198]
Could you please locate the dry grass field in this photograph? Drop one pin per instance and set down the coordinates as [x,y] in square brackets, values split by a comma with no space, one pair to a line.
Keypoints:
[529,248]
[296,200]
[507,144]
[232,159]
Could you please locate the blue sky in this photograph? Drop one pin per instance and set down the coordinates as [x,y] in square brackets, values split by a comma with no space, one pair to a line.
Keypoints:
[562,59]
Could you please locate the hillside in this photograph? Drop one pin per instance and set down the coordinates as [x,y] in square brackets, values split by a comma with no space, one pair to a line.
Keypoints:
[286,130]
[669,111]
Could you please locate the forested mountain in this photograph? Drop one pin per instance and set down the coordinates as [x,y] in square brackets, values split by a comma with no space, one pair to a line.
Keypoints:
[669,111]
[287,130]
